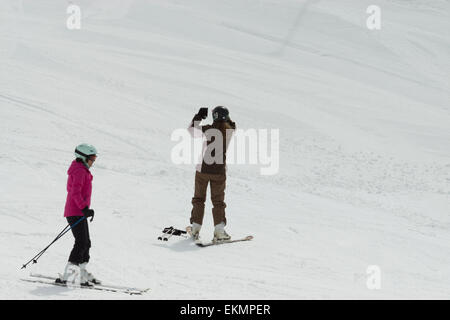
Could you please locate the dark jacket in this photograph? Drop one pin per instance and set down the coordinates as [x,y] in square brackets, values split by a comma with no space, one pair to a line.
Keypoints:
[210,132]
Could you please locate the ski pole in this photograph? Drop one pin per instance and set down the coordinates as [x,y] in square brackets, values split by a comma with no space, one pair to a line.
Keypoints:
[63,232]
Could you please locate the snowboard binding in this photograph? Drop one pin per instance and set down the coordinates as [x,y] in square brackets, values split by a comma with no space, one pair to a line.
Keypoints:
[171,231]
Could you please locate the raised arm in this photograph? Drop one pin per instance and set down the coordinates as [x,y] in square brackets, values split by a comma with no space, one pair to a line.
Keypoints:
[194,128]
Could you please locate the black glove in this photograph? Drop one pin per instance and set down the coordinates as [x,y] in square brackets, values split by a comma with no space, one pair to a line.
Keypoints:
[203,113]
[88,213]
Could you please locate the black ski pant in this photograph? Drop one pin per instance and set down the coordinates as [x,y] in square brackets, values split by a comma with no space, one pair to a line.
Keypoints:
[80,250]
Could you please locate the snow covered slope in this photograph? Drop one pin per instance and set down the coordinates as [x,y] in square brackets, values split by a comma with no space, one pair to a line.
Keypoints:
[364,119]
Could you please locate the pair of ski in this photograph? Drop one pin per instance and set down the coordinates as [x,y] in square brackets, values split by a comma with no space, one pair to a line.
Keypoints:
[171,231]
[39,278]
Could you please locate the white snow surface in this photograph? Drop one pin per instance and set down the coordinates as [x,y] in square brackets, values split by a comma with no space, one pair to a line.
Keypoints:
[364,120]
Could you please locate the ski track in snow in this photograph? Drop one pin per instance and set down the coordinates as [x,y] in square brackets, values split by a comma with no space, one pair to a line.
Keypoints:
[364,173]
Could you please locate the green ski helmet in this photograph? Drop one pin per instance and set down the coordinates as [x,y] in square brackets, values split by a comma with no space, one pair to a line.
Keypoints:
[84,150]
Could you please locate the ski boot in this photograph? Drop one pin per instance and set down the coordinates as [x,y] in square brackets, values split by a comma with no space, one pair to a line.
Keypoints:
[220,233]
[87,279]
[194,230]
[72,270]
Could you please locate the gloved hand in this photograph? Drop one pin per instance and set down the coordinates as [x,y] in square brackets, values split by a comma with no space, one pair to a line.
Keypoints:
[88,213]
[203,113]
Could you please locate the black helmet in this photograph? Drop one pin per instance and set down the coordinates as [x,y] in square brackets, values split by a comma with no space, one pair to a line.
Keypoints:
[220,114]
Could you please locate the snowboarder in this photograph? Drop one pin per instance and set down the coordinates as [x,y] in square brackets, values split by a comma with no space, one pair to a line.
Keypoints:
[79,189]
[212,170]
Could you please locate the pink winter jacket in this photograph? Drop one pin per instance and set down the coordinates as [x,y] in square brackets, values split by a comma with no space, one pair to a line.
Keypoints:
[79,189]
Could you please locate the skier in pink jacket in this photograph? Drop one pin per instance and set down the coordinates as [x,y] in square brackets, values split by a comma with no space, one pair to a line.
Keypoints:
[79,189]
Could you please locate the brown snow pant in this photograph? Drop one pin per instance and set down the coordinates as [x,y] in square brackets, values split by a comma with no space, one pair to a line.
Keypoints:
[218,182]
